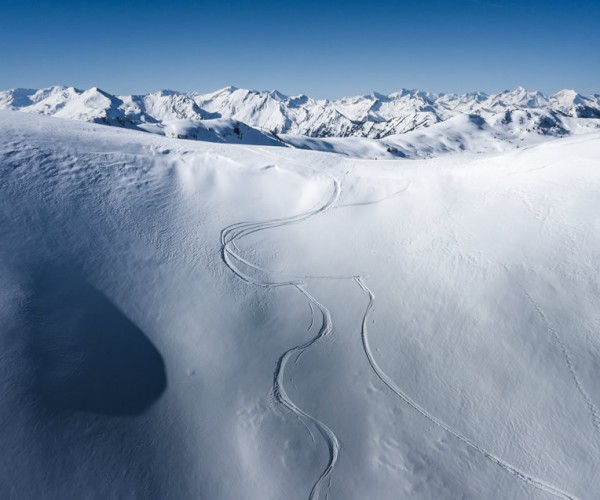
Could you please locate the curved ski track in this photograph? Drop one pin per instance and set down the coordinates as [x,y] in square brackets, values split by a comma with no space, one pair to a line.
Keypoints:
[390,384]
[568,361]
[232,259]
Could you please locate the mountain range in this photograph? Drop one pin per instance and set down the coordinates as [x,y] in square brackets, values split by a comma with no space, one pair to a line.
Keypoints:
[232,114]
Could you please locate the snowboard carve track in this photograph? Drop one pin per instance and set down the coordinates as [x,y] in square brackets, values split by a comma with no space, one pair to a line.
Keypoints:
[231,258]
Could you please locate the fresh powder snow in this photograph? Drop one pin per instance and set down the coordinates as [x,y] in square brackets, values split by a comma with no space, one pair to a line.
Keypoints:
[202,319]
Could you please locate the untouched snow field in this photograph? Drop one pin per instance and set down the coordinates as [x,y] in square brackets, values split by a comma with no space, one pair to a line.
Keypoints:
[196,320]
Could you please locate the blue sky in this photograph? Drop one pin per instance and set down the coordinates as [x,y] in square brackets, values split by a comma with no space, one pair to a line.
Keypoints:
[324,49]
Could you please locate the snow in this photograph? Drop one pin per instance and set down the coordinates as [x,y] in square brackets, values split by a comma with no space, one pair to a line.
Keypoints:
[327,326]
[374,116]
[462,134]
[378,116]
[218,130]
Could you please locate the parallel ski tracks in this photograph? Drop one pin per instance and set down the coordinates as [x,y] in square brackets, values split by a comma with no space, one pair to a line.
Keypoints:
[234,261]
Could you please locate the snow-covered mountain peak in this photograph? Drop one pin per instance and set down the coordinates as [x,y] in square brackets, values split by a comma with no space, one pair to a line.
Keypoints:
[571,103]
[517,98]
[373,116]
[570,97]
[297,100]
[278,96]
[166,93]
[377,96]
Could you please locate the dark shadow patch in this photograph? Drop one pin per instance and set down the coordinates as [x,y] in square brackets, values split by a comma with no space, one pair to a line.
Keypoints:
[87,355]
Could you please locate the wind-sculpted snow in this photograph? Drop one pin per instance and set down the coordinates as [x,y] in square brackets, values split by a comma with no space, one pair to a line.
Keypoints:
[284,323]
[389,383]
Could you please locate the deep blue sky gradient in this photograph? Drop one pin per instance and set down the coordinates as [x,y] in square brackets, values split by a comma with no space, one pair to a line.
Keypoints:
[321,48]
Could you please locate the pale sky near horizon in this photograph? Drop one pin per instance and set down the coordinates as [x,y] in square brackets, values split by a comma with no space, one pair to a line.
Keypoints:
[324,49]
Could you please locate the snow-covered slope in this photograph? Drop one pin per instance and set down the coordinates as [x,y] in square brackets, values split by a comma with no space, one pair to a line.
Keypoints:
[182,319]
[465,133]
[218,130]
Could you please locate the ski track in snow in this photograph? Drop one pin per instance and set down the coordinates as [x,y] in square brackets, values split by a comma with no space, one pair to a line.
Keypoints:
[390,384]
[231,258]
[568,361]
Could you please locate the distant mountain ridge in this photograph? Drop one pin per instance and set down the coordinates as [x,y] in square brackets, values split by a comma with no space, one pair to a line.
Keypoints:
[375,115]
[266,117]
